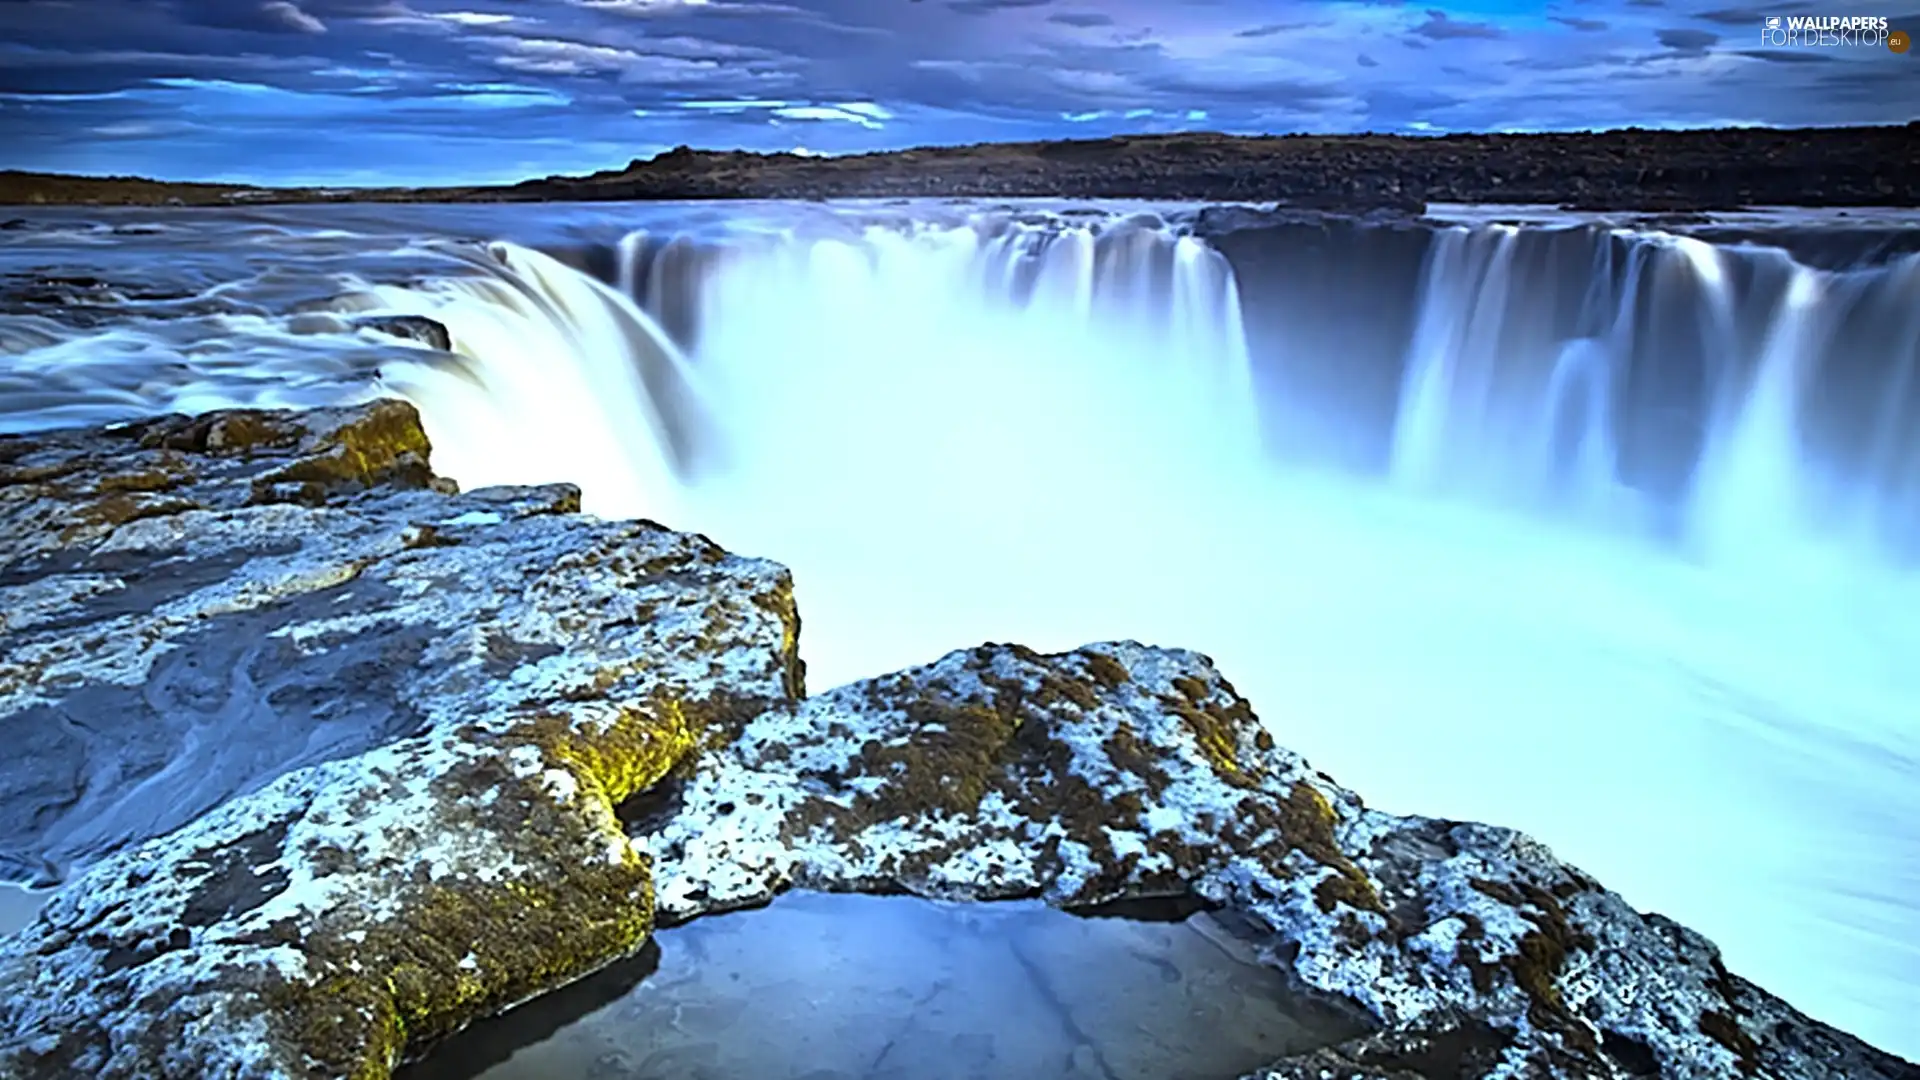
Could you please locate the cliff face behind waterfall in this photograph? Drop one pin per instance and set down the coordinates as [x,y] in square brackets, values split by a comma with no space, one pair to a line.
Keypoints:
[1714,169]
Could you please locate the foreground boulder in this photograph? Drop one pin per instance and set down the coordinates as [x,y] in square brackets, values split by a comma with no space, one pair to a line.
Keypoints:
[1120,775]
[562,729]
[430,702]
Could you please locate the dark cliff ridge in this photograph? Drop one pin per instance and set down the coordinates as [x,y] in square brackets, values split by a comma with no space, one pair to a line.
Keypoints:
[1630,168]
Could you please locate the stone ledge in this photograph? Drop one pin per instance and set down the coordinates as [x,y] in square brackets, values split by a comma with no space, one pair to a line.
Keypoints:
[527,732]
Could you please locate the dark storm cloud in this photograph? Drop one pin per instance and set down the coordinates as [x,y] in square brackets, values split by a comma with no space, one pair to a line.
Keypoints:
[420,91]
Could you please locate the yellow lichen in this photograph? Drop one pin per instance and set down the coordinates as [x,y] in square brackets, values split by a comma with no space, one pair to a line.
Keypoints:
[1215,727]
[457,950]
[620,758]
[362,452]
[1307,820]
[116,510]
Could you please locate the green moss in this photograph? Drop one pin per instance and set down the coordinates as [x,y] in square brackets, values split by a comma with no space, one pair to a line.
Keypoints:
[1308,820]
[1541,956]
[458,950]
[117,510]
[385,444]
[39,474]
[144,480]
[633,752]
[1111,674]
[1215,726]
[456,953]
[780,603]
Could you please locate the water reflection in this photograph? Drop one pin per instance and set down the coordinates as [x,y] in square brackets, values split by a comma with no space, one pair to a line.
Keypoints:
[844,987]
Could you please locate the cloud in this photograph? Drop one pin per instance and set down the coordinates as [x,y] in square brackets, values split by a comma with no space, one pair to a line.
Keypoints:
[1687,40]
[416,91]
[1753,17]
[988,7]
[1084,20]
[1442,27]
[289,16]
[1269,29]
[1787,56]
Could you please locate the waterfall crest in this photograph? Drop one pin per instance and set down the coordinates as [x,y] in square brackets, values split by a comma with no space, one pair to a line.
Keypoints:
[647,360]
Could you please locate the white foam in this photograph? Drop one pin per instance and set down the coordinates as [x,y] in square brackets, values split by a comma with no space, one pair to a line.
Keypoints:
[1728,744]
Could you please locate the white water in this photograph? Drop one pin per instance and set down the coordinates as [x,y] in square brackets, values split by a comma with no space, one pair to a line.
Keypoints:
[1727,737]
[1731,743]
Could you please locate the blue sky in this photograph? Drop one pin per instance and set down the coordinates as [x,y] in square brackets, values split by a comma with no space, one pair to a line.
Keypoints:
[433,91]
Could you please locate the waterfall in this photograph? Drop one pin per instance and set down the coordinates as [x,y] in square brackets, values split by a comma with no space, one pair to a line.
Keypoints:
[1056,425]
[1729,395]
[1048,329]
[564,378]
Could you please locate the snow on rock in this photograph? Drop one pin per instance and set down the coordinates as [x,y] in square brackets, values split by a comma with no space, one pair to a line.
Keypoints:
[337,748]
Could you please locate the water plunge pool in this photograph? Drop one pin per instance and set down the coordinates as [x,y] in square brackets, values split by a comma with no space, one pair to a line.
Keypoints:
[820,986]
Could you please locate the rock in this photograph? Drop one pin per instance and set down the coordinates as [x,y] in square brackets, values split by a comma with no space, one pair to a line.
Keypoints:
[467,683]
[429,332]
[1712,169]
[522,735]
[1123,774]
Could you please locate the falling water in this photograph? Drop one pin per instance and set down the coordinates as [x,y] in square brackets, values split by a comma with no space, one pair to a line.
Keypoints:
[1511,394]
[1063,427]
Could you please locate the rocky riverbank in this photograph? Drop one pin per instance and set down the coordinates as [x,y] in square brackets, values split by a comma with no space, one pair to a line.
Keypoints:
[1632,169]
[443,752]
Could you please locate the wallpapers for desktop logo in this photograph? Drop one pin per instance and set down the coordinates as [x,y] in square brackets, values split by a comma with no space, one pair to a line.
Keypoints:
[1833,31]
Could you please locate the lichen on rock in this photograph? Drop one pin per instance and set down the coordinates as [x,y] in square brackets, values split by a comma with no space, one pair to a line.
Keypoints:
[1119,773]
[425,754]
[505,670]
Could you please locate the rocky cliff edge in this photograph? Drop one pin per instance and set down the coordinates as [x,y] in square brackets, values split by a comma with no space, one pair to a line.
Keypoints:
[448,751]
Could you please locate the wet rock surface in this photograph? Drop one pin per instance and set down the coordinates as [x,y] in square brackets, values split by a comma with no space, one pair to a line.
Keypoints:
[1118,773]
[511,737]
[1639,169]
[393,721]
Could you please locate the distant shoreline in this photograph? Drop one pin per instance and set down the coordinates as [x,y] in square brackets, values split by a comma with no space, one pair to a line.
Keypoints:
[1631,169]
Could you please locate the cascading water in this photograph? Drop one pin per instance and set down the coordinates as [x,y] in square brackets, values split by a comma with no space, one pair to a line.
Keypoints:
[1514,394]
[1057,427]
[885,357]
[564,378]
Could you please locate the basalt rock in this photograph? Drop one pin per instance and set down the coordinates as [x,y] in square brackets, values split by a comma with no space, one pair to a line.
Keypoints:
[564,729]
[1631,168]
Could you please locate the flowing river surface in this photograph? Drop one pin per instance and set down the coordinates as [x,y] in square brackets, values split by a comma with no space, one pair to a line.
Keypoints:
[1603,530]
